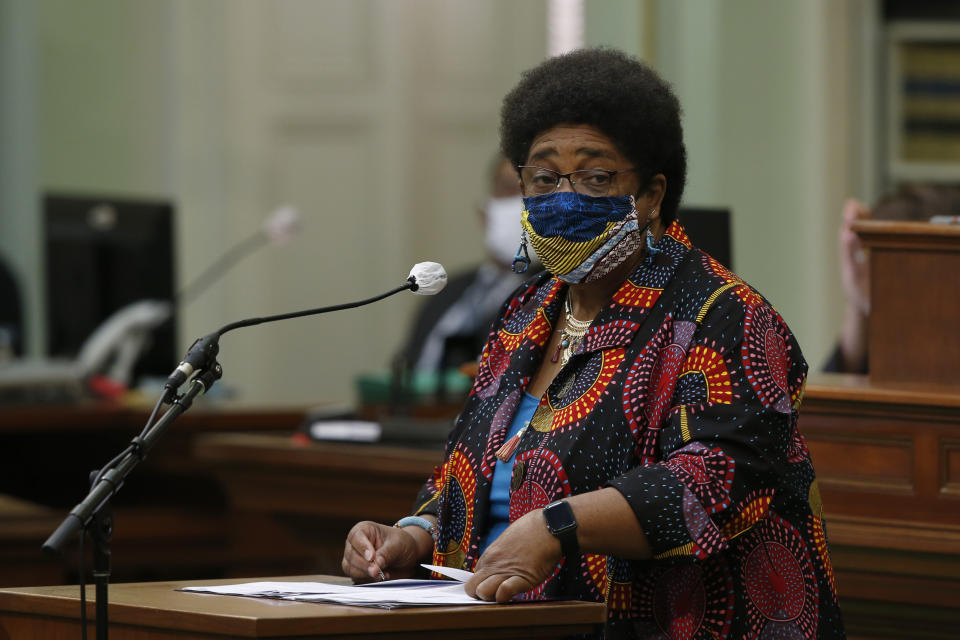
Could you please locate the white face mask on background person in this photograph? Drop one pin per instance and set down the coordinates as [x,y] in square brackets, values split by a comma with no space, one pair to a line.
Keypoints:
[503,227]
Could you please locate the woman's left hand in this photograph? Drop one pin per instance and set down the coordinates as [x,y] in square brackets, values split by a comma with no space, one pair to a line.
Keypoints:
[519,560]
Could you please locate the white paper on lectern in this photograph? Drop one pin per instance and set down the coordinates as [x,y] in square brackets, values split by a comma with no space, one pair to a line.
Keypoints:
[388,594]
[460,575]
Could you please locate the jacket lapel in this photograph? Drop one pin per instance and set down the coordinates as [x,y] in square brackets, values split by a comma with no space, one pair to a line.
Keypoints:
[617,325]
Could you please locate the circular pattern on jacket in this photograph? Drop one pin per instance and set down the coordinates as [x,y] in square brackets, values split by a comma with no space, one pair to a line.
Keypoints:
[779,580]
[524,315]
[459,485]
[656,273]
[708,473]
[586,376]
[636,385]
[544,482]
[662,380]
[680,602]
[455,510]
[690,600]
[765,353]
[774,581]
[610,581]
[588,388]
[704,378]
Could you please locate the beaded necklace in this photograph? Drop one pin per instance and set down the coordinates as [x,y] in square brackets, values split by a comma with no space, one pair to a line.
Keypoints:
[570,336]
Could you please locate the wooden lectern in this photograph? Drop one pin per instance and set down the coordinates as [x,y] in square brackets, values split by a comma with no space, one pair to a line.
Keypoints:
[886,447]
[915,301]
[156,611]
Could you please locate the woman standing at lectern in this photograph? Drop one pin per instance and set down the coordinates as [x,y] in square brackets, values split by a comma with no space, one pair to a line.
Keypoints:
[631,436]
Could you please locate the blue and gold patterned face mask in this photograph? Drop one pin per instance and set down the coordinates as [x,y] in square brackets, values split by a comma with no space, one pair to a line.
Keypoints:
[581,238]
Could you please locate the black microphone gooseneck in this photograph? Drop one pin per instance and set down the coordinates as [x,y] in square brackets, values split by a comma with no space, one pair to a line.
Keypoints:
[204,350]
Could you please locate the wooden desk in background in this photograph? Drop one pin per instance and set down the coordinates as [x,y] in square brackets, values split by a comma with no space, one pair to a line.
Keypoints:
[888,467]
[155,611]
[305,498]
[169,517]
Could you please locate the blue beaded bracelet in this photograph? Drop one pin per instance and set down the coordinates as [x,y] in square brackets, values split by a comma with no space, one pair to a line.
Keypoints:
[417,521]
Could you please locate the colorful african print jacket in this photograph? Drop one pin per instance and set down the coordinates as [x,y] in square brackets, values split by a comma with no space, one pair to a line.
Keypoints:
[683,396]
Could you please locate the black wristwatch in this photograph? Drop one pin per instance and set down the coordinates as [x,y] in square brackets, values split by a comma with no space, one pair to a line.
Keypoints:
[562,524]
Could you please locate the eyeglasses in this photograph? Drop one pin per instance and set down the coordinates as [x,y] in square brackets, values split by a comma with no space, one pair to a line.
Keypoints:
[538,181]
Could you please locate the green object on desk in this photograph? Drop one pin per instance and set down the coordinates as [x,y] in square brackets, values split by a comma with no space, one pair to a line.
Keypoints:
[419,387]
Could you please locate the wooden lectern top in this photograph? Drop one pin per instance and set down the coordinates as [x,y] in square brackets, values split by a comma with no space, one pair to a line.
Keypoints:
[156,611]
[909,235]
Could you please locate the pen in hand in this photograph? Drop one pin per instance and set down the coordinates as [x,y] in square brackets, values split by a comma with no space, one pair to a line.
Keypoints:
[369,556]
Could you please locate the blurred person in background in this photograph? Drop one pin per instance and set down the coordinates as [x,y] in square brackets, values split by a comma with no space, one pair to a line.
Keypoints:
[911,203]
[451,327]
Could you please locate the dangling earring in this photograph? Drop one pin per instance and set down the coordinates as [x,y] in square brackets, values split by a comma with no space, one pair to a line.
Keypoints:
[522,260]
[651,249]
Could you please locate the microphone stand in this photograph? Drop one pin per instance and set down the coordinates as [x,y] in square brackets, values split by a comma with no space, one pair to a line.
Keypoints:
[95,507]
[101,533]
[200,363]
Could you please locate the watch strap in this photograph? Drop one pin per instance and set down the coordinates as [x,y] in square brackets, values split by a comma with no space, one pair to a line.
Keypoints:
[563,525]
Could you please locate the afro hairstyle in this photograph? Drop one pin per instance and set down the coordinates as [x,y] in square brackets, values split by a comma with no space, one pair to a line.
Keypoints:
[619,95]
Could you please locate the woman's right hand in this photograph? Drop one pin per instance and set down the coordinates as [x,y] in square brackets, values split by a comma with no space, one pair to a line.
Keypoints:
[372,547]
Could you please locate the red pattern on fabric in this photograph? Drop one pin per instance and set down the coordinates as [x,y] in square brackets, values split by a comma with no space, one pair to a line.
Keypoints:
[816,531]
[458,485]
[637,384]
[677,232]
[608,335]
[610,580]
[754,508]
[819,537]
[594,567]
[744,292]
[689,601]
[632,295]
[648,388]
[709,363]
[779,580]
[680,603]
[748,295]
[545,481]
[708,473]
[572,413]
[765,355]
[798,448]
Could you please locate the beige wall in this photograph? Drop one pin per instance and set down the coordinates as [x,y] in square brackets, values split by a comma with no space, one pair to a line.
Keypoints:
[775,117]
[377,119]
[232,107]
[19,226]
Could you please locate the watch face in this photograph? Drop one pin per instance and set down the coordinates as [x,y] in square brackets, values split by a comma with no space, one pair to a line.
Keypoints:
[559,516]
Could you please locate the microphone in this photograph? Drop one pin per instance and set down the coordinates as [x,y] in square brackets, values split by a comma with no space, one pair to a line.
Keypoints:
[279,228]
[429,277]
[425,279]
